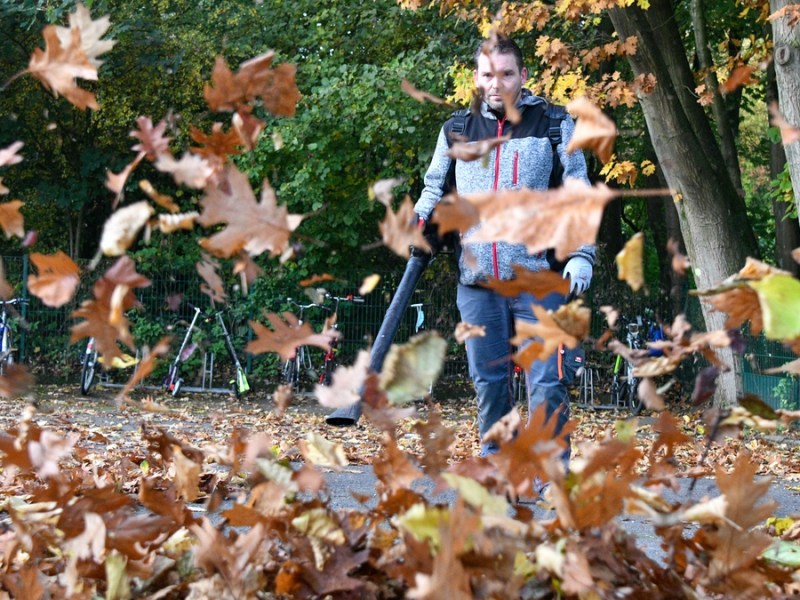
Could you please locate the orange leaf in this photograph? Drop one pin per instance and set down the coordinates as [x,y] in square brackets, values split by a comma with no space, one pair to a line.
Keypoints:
[57,279]
[538,283]
[400,230]
[469,151]
[286,335]
[593,129]
[252,227]
[418,95]
[547,329]
[630,263]
[741,75]
[162,200]
[219,144]
[789,133]
[11,220]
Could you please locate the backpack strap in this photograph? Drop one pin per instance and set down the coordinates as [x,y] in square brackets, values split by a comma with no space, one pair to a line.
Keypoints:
[555,115]
[457,123]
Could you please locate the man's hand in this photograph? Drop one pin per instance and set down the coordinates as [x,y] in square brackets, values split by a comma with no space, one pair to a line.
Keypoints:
[431,235]
[579,271]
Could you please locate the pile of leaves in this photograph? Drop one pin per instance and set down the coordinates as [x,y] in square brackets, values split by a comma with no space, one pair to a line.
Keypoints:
[82,519]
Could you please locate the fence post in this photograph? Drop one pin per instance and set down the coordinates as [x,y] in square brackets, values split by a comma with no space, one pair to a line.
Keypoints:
[23,337]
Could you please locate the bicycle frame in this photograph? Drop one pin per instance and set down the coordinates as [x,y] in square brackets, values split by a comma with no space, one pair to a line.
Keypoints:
[6,343]
[329,363]
[301,361]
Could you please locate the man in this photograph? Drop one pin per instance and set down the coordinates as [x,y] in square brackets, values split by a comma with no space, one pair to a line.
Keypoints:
[524,161]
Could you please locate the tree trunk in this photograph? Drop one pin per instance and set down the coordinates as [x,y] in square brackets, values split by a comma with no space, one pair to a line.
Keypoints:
[712,215]
[787,74]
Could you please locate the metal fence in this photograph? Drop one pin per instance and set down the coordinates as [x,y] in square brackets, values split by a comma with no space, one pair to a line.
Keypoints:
[43,333]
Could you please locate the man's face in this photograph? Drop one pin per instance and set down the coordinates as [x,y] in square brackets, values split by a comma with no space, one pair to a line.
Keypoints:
[497,76]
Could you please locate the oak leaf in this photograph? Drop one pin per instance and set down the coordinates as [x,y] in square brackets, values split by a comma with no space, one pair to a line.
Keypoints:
[740,76]
[162,200]
[9,156]
[11,220]
[546,329]
[91,33]
[538,283]
[316,450]
[152,140]
[59,66]
[254,227]
[286,335]
[411,368]
[400,231]
[454,213]
[249,128]
[212,285]
[593,129]
[191,170]
[419,95]
[469,151]
[393,467]
[176,222]
[57,278]
[187,475]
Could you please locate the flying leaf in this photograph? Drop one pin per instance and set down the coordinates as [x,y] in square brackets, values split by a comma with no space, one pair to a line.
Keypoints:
[91,34]
[212,285]
[538,283]
[565,218]
[172,223]
[9,156]
[252,227]
[454,213]
[151,139]
[249,128]
[476,495]
[191,170]
[546,329]
[116,182]
[164,201]
[410,369]
[57,278]
[790,11]
[187,475]
[464,331]
[400,231]
[593,129]
[316,450]
[16,382]
[630,268]
[59,66]
[370,283]
[680,262]
[122,227]
[418,95]
[382,190]
[789,133]
[740,76]
[393,467]
[345,385]
[286,335]
[11,220]
[219,144]
[469,151]
[779,298]
[6,291]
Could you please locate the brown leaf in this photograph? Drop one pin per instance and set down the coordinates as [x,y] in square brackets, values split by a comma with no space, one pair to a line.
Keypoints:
[187,475]
[152,140]
[418,95]
[212,285]
[669,435]
[255,78]
[9,156]
[789,133]
[58,67]
[437,440]
[680,262]
[6,291]
[742,305]
[464,331]
[116,182]
[178,222]
[11,220]
[145,366]
[399,230]
[469,151]
[630,262]
[16,382]
[538,283]
[565,218]
[547,329]
[346,384]
[454,213]
[286,335]
[252,227]
[219,145]
[740,76]
[191,170]
[165,202]
[123,226]
[790,11]
[648,394]
[504,430]
[282,398]
[593,129]
[57,278]
[393,467]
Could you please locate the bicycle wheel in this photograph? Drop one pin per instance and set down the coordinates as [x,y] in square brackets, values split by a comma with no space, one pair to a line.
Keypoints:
[88,372]
[619,392]
[635,403]
[327,373]
[5,351]
[290,372]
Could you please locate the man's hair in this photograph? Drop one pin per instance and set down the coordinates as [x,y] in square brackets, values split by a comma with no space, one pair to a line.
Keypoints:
[504,45]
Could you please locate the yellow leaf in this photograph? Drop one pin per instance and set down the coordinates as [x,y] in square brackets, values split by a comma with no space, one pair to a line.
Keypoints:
[410,369]
[476,495]
[629,262]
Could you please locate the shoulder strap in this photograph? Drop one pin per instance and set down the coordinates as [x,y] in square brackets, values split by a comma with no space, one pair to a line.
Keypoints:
[457,123]
[555,115]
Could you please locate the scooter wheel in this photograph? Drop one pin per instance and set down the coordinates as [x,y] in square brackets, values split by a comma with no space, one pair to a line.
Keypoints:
[176,388]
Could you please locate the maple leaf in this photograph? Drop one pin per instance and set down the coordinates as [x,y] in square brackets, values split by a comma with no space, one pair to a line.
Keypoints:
[345,385]
[538,283]
[565,218]
[59,66]
[151,139]
[286,335]
[593,129]
[191,170]
[255,78]
[219,144]
[11,220]
[9,156]
[469,151]
[547,329]
[630,262]
[123,226]
[57,278]
[789,133]
[91,33]
[419,95]
[251,226]
[212,285]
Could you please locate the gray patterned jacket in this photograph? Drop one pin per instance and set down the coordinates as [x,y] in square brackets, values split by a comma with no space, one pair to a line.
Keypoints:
[524,161]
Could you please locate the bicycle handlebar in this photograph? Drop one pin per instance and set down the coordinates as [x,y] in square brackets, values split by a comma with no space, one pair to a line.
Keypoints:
[15,301]
[348,298]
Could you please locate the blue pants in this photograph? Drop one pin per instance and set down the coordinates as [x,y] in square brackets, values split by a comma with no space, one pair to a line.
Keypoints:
[489,358]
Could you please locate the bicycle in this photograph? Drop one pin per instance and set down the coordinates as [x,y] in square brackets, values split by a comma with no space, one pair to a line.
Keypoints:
[301,361]
[240,383]
[6,335]
[173,382]
[330,362]
[624,385]
[89,361]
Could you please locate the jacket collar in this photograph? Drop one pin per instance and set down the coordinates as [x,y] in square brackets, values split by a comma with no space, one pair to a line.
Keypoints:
[526,99]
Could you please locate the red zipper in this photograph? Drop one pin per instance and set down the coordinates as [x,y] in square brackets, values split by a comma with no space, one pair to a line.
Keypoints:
[500,123]
[515,177]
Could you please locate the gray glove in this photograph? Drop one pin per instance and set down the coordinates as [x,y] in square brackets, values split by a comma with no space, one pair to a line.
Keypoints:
[579,271]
